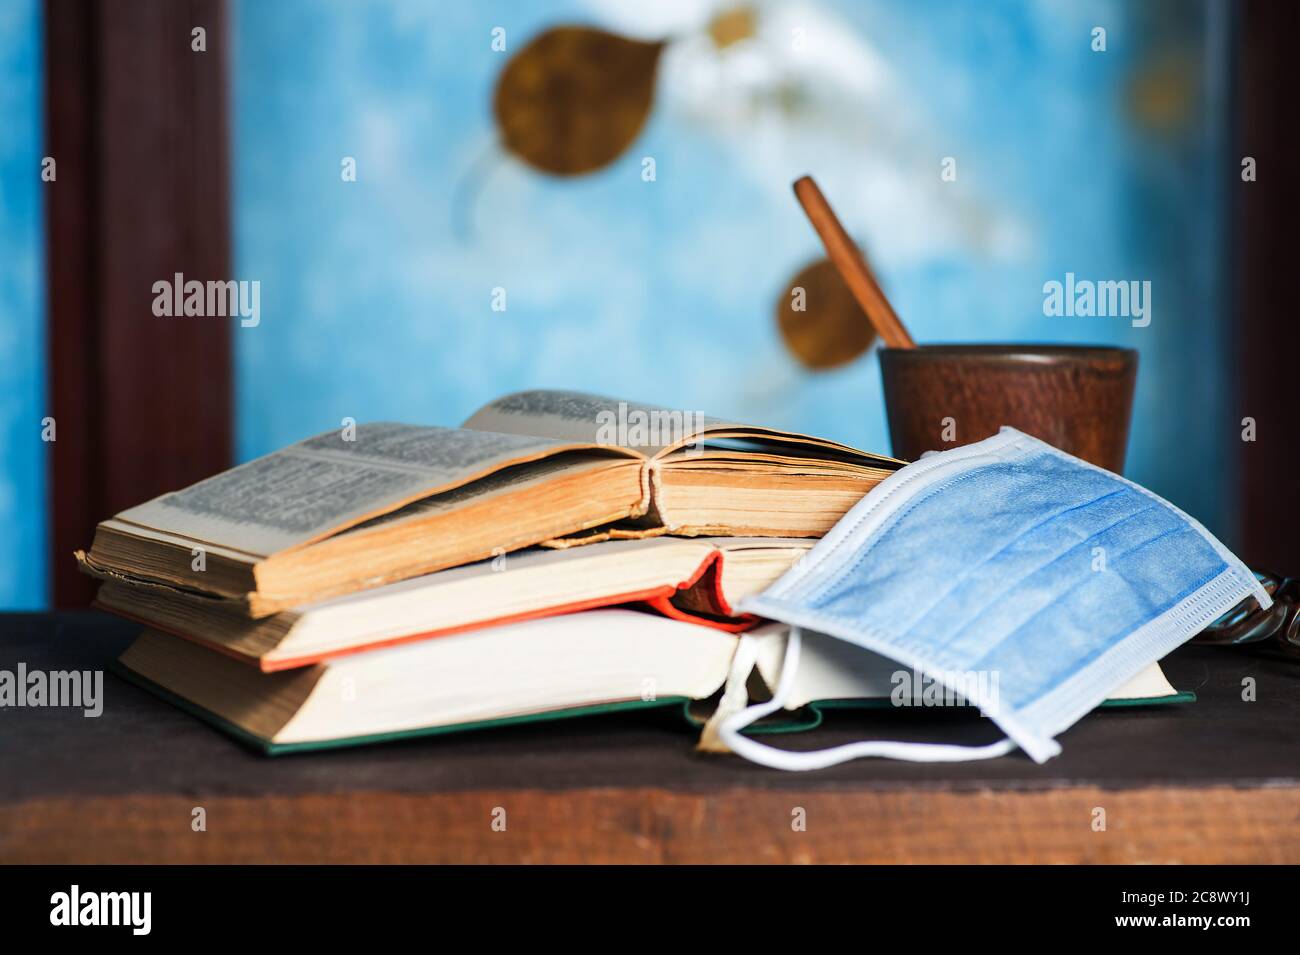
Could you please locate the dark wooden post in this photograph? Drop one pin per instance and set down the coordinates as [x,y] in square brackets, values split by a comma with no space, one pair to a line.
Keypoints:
[136,120]
[1263,323]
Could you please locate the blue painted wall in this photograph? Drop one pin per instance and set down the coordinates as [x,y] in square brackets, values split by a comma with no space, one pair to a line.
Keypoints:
[375,306]
[376,294]
[22,346]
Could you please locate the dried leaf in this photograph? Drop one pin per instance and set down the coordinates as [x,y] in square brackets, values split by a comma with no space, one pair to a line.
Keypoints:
[832,329]
[575,98]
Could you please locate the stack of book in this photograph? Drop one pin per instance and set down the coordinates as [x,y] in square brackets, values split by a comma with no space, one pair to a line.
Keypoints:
[559,554]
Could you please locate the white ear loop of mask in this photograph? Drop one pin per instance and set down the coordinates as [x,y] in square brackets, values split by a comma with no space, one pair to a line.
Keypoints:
[729,732]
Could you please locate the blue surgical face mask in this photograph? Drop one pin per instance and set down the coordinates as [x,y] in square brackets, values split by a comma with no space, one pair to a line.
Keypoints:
[1027,580]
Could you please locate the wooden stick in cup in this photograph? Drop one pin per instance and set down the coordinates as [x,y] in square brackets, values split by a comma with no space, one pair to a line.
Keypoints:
[851,265]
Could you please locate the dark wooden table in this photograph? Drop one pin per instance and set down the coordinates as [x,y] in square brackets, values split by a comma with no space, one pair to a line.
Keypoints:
[1214,781]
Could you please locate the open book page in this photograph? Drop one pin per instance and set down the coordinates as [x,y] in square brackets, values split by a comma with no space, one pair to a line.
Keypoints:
[319,486]
[648,429]
[508,480]
[574,416]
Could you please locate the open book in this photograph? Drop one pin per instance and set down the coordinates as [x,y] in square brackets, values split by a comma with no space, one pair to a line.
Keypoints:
[701,579]
[611,659]
[377,503]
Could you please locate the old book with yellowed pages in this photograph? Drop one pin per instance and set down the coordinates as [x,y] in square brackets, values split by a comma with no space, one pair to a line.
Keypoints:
[378,503]
[706,476]
[697,579]
[609,659]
